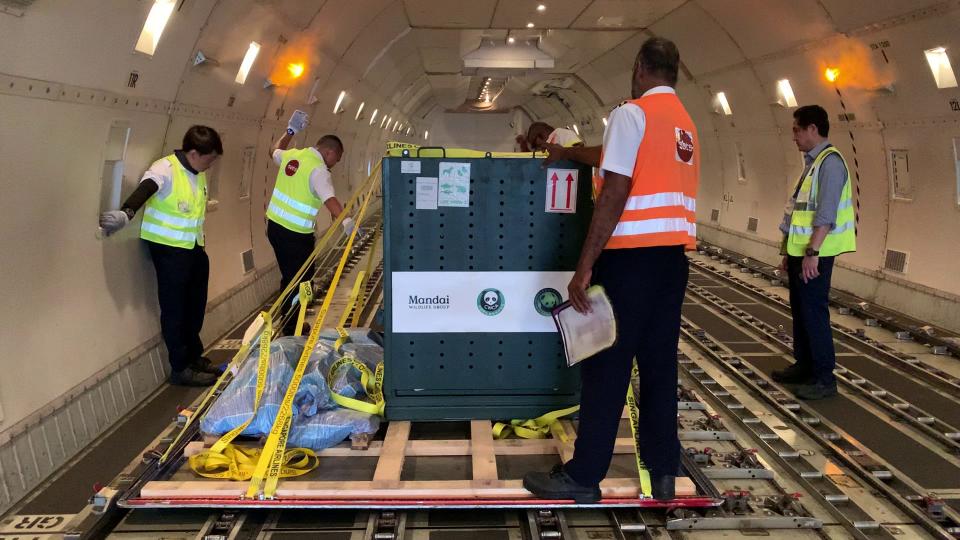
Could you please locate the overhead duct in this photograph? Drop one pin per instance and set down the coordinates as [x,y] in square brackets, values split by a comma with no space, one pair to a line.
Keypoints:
[502,56]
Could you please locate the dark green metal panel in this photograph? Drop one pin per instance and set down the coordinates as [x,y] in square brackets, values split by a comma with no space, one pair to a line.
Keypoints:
[479,375]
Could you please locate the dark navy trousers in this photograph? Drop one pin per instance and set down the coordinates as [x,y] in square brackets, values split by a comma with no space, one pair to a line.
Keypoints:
[646,287]
[809,303]
[182,276]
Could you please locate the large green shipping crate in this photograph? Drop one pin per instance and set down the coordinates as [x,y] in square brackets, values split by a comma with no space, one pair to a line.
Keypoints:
[476,253]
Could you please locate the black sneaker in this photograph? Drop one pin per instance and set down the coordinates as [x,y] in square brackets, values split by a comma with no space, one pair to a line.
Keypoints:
[191,377]
[816,391]
[205,365]
[557,484]
[792,375]
[664,488]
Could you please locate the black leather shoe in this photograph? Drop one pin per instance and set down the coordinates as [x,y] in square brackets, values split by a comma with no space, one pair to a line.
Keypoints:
[205,365]
[557,484]
[664,488]
[792,375]
[192,377]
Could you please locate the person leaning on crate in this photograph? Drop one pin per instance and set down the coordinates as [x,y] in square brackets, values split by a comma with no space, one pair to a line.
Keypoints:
[643,222]
[174,190]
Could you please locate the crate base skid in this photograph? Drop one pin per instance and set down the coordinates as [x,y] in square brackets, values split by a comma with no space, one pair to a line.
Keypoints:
[384,487]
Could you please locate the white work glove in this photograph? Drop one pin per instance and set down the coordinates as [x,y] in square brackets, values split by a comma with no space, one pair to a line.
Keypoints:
[297,123]
[113,220]
[347,225]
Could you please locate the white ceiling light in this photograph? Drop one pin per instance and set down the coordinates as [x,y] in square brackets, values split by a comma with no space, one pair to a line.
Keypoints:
[336,108]
[409,129]
[604,121]
[576,130]
[529,25]
[153,27]
[541,8]
[373,118]
[722,105]
[511,40]
[359,111]
[385,121]
[785,94]
[941,68]
[426,134]
[252,51]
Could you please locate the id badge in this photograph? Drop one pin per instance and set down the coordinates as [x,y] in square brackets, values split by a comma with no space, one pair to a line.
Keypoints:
[183,206]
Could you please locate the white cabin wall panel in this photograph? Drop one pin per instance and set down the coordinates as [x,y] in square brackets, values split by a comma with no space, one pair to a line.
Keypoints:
[52,36]
[97,298]
[691,28]
[489,132]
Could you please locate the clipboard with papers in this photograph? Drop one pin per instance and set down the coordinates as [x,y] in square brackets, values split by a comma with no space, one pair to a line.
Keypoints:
[585,335]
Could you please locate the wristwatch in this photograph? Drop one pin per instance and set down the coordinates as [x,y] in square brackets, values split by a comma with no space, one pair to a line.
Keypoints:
[291,132]
[810,252]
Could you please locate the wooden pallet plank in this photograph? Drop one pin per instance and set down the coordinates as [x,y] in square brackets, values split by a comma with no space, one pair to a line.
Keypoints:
[565,449]
[612,488]
[482,450]
[392,453]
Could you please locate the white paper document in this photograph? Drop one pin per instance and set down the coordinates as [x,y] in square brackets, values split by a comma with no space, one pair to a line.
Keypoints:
[454,185]
[410,167]
[426,193]
[584,335]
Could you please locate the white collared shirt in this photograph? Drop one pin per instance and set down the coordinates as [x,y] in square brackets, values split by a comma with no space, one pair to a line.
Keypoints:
[625,129]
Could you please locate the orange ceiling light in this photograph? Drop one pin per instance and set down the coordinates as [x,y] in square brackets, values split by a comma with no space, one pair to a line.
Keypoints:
[295,69]
[831,74]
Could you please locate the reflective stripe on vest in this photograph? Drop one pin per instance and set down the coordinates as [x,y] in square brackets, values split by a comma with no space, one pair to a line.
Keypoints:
[843,237]
[661,208]
[293,204]
[177,220]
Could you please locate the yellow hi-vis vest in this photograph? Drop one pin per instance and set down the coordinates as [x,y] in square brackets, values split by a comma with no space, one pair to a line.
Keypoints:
[293,205]
[843,237]
[177,220]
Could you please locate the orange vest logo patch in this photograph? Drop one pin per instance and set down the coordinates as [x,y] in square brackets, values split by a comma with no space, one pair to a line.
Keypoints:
[291,168]
[684,146]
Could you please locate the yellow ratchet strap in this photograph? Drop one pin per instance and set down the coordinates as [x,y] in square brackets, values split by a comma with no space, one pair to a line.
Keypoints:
[646,487]
[238,463]
[537,428]
[306,295]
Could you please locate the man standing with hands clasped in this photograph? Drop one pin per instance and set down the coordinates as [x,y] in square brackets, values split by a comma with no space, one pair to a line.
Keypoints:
[819,223]
[644,220]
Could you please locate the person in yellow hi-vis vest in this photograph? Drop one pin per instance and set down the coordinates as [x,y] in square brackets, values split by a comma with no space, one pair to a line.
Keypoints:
[303,186]
[174,190]
[819,224]
[540,134]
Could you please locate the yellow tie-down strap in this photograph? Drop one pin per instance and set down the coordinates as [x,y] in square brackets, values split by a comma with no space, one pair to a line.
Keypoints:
[372,384]
[266,474]
[537,428]
[646,487]
[305,297]
[238,463]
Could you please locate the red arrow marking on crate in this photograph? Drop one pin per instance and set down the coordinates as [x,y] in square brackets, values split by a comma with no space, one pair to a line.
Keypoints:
[569,186]
[553,199]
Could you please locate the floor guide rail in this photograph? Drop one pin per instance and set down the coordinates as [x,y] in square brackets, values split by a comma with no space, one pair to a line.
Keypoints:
[894,486]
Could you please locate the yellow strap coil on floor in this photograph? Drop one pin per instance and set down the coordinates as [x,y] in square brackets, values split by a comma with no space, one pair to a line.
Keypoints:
[238,463]
[537,428]
[266,474]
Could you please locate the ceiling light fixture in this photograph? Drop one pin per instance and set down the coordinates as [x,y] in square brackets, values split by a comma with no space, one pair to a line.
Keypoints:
[359,111]
[511,40]
[252,51]
[541,8]
[530,25]
[336,108]
[373,118]
[153,27]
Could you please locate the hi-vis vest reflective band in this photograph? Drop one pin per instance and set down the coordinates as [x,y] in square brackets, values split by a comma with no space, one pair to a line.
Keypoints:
[177,220]
[843,237]
[293,205]
[662,207]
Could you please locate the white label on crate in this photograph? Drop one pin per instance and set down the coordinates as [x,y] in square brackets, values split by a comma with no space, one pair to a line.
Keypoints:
[410,167]
[426,193]
[453,302]
[561,191]
[454,185]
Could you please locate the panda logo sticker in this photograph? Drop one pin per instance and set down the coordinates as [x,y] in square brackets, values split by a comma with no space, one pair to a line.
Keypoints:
[292,167]
[684,152]
[490,302]
[546,300]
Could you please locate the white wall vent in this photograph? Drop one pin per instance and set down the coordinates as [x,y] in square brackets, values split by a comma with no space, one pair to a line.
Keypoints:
[902,186]
[752,224]
[246,258]
[715,215]
[896,261]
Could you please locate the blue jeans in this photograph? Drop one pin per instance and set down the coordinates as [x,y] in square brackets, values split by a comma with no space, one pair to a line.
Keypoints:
[812,337]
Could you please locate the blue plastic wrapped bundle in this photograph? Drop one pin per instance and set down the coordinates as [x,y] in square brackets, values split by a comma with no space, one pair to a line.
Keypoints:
[318,422]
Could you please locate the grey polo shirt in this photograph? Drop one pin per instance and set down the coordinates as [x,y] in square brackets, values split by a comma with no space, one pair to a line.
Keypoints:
[833,175]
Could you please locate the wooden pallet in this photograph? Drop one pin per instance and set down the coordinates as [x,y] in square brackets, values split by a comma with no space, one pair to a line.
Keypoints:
[391,453]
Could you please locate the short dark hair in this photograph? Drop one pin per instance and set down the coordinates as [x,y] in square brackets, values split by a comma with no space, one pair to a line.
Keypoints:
[539,126]
[660,56]
[813,114]
[331,141]
[205,140]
